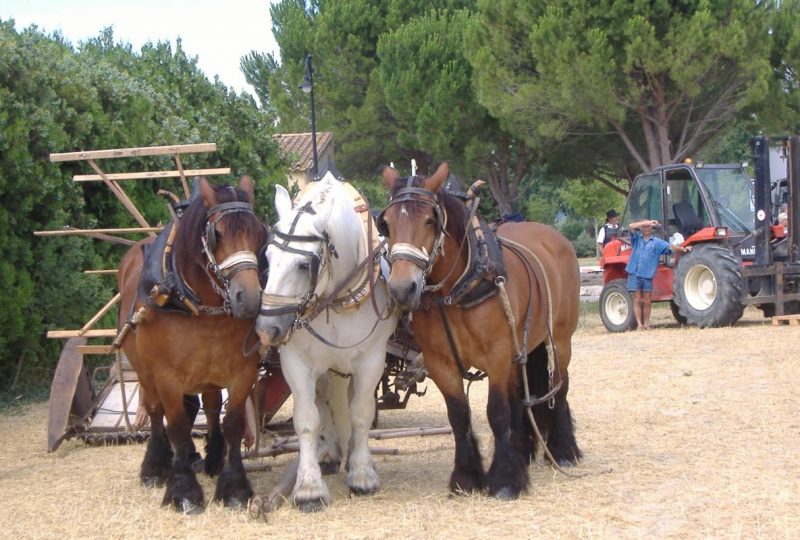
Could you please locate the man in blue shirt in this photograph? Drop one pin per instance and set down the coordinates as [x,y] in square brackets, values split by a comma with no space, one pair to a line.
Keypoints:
[643,264]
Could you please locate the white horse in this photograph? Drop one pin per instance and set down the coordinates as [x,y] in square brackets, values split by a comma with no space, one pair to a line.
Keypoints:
[316,303]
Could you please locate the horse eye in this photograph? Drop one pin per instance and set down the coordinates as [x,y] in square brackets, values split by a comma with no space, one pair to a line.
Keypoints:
[430,222]
[304,265]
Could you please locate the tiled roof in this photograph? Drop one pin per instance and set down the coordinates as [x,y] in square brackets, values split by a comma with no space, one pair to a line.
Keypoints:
[298,146]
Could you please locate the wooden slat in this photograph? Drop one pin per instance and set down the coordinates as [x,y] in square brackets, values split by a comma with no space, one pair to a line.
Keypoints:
[92,232]
[103,332]
[791,320]
[151,175]
[111,238]
[186,191]
[134,152]
[95,349]
[117,190]
[99,314]
[112,271]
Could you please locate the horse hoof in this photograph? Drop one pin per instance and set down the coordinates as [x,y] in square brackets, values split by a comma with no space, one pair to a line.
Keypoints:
[185,506]
[313,505]
[236,503]
[153,481]
[359,492]
[564,462]
[329,467]
[506,494]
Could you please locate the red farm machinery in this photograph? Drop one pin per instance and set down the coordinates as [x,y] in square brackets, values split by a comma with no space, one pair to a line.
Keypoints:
[744,252]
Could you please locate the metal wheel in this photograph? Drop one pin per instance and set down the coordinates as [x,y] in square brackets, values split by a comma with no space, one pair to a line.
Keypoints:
[616,307]
[708,286]
[700,287]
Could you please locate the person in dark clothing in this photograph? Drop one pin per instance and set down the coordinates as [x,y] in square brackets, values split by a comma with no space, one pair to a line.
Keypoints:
[609,230]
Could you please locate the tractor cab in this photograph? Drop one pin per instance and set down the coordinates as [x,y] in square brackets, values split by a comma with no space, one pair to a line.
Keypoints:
[693,201]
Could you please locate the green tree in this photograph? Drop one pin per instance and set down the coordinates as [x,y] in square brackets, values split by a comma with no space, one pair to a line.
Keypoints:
[54,98]
[661,79]
[781,113]
[391,79]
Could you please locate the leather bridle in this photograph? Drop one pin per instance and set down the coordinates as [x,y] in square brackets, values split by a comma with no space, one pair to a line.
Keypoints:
[223,272]
[276,304]
[409,252]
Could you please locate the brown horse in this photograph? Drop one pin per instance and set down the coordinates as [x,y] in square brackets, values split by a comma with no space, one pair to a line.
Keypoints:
[176,353]
[426,228]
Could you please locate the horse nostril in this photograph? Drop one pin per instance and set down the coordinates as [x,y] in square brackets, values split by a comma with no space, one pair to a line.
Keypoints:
[238,297]
[413,288]
[274,332]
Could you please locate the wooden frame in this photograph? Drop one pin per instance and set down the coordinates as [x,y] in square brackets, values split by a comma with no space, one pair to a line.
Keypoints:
[72,400]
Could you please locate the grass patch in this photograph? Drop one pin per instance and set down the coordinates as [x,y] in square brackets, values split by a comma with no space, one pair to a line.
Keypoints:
[15,400]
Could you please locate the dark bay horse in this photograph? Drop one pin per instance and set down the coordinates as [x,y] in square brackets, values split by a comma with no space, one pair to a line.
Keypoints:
[176,353]
[426,228]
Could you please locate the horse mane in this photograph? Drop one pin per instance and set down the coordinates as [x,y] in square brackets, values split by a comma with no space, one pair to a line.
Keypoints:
[342,225]
[454,207]
[188,246]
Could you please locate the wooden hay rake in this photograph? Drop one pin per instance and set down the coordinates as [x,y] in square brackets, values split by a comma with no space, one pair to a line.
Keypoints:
[77,407]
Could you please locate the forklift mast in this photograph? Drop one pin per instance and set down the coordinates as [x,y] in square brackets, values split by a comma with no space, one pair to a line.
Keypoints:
[794,199]
[763,202]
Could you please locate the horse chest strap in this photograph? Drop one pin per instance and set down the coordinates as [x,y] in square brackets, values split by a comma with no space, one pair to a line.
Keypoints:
[469,376]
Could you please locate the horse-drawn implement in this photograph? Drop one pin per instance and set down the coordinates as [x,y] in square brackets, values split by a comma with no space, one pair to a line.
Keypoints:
[99,404]
[326,332]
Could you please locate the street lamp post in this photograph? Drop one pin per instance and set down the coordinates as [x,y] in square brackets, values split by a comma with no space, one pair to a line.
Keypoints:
[308,87]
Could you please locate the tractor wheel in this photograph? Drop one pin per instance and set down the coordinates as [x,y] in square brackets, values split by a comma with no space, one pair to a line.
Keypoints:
[708,287]
[676,313]
[616,307]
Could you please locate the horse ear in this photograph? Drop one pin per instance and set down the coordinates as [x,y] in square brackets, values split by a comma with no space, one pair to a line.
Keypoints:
[246,185]
[389,176]
[283,201]
[207,192]
[434,183]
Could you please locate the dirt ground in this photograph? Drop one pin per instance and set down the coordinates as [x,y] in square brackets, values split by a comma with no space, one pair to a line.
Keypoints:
[700,429]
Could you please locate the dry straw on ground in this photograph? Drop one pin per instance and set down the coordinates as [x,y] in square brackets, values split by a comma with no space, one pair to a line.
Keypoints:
[700,427]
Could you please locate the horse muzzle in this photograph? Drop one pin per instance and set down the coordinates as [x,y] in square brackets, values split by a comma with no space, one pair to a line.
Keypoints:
[245,300]
[406,292]
[273,329]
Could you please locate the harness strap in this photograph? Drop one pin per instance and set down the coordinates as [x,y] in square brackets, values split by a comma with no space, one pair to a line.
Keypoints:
[454,348]
[322,339]
[541,278]
[243,259]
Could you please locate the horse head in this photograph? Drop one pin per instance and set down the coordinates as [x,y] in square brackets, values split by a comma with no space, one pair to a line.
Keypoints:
[414,224]
[231,237]
[310,240]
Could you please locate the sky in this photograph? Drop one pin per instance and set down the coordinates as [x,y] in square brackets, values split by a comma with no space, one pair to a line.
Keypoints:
[217,32]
